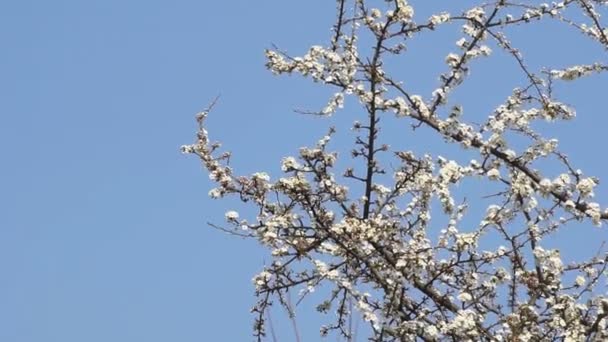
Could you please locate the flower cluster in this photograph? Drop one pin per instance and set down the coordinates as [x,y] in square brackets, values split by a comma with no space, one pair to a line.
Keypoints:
[388,232]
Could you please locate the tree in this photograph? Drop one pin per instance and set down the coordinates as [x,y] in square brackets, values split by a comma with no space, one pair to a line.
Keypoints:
[361,226]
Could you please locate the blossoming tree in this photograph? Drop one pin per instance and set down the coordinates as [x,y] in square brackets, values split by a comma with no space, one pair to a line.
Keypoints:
[385,233]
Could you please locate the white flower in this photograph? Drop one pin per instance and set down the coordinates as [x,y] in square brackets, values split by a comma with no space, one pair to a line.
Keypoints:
[381,190]
[451,171]
[269,237]
[402,108]
[461,43]
[289,164]
[366,311]
[215,193]
[452,60]
[485,50]
[375,13]
[569,204]
[585,186]
[261,279]
[493,174]
[531,203]
[335,102]
[545,186]
[593,210]
[405,12]
[420,105]
[188,149]
[465,297]
[262,176]
[465,240]
[431,331]
[580,281]
[439,18]
[231,216]
[440,94]
[476,13]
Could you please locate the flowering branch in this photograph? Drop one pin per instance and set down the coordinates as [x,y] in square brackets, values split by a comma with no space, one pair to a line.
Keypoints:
[375,246]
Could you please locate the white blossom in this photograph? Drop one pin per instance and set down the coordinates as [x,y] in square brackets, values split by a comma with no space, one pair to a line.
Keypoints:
[439,18]
[289,164]
[593,210]
[493,174]
[215,193]
[585,186]
[580,280]
[465,297]
[232,216]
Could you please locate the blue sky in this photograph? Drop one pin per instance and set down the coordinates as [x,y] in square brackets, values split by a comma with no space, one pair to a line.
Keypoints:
[103,233]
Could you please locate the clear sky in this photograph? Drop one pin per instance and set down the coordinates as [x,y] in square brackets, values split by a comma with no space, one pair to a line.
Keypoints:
[103,223]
